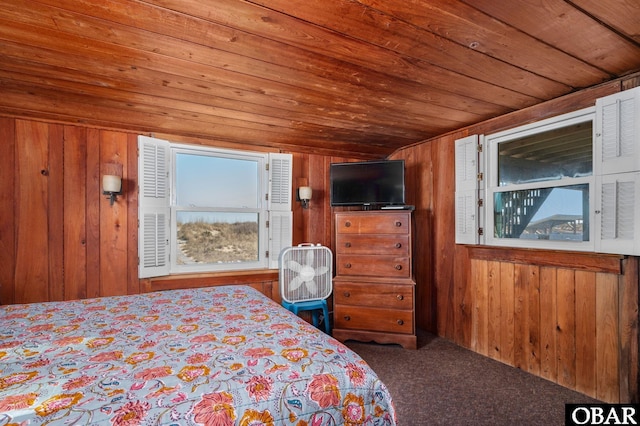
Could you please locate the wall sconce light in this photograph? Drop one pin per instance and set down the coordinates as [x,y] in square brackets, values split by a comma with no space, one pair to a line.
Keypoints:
[304,195]
[111,186]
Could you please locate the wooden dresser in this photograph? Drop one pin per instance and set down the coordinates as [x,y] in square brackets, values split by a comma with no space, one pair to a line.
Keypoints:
[374,289]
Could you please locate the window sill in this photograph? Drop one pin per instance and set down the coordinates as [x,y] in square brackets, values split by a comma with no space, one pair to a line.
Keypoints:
[193,280]
[596,262]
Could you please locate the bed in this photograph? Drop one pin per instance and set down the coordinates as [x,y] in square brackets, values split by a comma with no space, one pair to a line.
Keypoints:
[213,356]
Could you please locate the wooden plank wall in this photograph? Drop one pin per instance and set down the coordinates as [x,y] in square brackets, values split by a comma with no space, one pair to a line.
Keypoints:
[565,324]
[59,237]
[564,317]
[59,234]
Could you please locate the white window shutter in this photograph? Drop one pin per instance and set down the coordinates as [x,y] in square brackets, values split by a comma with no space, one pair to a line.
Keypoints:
[466,217]
[280,198]
[617,148]
[280,235]
[618,213]
[280,176]
[467,163]
[466,196]
[153,207]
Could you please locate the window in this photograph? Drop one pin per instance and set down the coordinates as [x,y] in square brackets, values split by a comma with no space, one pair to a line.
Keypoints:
[205,209]
[539,182]
[569,182]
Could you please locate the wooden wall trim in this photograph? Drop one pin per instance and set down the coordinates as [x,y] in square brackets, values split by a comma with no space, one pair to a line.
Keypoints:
[593,262]
[175,281]
[263,280]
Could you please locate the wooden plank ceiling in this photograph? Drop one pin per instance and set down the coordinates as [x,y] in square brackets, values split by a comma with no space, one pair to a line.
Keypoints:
[354,77]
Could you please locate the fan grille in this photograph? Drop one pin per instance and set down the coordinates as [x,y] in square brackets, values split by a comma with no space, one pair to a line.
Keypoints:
[306,273]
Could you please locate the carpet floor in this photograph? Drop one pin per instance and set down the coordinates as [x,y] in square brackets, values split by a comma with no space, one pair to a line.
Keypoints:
[444,384]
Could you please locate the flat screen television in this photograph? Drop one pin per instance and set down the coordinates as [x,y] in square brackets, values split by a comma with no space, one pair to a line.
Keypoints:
[371,184]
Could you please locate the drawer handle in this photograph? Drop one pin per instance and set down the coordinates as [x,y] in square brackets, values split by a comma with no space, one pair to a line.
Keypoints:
[347,318]
[348,266]
[400,322]
[399,267]
[400,297]
[398,245]
[347,224]
[347,294]
[398,224]
[347,244]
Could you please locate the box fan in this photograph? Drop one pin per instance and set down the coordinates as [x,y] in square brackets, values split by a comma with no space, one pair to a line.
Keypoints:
[306,280]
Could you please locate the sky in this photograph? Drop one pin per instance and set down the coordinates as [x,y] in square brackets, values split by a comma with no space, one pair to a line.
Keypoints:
[205,181]
[232,182]
[560,201]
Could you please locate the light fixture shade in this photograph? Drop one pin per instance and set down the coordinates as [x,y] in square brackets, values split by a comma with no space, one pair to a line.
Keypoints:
[111,183]
[304,192]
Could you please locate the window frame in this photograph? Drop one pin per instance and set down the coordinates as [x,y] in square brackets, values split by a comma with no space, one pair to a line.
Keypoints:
[261,209]
[492,186]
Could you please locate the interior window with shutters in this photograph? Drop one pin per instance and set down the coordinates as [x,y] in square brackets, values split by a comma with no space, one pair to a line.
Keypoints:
[205,209]
[570,182]
[540,183]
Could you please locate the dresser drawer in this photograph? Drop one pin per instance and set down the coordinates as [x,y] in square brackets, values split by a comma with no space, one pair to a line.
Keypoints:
[373,223]
[376,266]
[373,319]
[393,296]
[389,244]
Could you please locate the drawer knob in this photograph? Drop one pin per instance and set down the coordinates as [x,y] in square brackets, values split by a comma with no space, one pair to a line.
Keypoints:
[347,294]
[399,267]
[347,318]
[398,245]
[400,322]
[348,266]
[398,224]
[347,244]
[400,297]
[347,224]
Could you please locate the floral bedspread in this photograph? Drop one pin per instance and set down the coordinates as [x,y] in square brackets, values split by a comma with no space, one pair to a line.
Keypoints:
[212,356]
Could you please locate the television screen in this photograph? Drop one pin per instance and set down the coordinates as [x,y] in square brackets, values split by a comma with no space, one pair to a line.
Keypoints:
[367,183]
